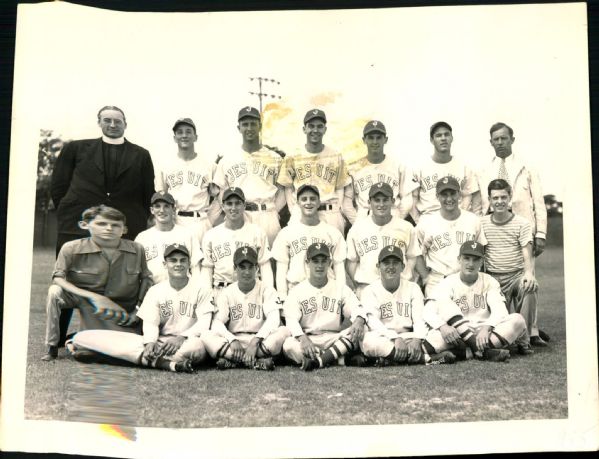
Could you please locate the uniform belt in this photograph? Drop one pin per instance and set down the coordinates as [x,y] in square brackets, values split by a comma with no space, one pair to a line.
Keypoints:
[191,213]
[252,206]
[326,207]
[222,284]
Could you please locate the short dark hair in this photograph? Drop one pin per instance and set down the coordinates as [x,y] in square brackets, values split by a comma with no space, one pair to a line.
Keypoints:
[103,211]
[111,107]
[499,184]
[437,125]
[498,126]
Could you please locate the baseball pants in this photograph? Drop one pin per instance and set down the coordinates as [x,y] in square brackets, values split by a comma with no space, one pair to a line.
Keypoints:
[59,300]
[267,219]
[272,344]
[510,329]
[375,344]
[198,225]
[129,347]
[517,301]
[292,349]
[431,282]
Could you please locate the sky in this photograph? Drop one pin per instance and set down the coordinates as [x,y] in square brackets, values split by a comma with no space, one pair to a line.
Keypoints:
[470,66]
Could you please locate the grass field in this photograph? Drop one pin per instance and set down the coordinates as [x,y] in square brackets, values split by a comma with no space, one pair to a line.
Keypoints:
[532,387]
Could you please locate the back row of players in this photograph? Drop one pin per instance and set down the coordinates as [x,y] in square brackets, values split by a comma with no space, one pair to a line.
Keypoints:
[316,185]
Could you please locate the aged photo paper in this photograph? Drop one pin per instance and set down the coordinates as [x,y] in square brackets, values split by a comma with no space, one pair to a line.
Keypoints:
[472,65]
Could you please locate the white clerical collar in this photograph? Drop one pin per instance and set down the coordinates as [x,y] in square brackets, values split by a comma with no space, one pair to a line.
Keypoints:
[110,140]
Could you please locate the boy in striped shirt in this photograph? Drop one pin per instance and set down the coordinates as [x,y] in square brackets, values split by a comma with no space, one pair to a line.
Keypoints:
[509,258]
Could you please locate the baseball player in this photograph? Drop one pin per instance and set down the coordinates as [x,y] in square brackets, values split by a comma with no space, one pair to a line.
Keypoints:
[165,232]
[374,168]
[394,305]
[468,307]
[508,257]
[220,243]
[289,248]
[527,195]
[379,229]
[440,164]
[315,310]
[255,169]
[188,178]
[246,329]
[441,233]
[318,165]
[175,313]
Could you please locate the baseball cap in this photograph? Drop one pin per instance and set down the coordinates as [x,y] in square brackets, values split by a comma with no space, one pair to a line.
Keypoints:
[307,186]
[374,126]
[187,121]
[171,248]
[381,187]
[390,251]
[472,248]
[162,196]
[318,248]
[448,183]
[233,191]
[439,124]
[315,113]
[248,111]
[245,254]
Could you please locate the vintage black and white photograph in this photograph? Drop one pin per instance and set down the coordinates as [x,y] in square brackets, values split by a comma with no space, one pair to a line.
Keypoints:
[350,232]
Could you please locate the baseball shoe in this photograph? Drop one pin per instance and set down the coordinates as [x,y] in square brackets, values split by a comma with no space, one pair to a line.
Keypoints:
[447,357]
[52,354]
[384,362]
[538,341]
[265,364]
[496,355]
[544,336]
[525,349]
[86,356]
[309,364]
[184,366]
[356,360]
[225,364]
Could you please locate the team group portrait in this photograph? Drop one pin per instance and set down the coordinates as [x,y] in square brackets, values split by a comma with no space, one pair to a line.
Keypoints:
[273,261]
[314,221]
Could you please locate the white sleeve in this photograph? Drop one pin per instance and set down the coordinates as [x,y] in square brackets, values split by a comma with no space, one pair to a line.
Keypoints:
[280,250]
[293,313]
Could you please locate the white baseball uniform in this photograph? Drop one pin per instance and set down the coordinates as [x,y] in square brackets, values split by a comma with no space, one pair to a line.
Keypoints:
[319,313]
[481,303]
[440,242]
[364,174]
[426,175]
[293,241]
[327,171]
[165,312]
[365,240]
[256,174]
[154,242]
[392,315]
[220,243]
[243,316]
[188,183]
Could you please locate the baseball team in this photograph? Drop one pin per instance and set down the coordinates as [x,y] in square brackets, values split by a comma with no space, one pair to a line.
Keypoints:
[378,263]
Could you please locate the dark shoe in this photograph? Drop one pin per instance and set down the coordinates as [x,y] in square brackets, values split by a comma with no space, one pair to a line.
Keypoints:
[544,336]
[86,356]
[225,364]
[447,357]
[264,364]
[525,349]
[384,362]
[538,341]
[184,366]
[356,360]
[309,364]
[51,355]
[496,355]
